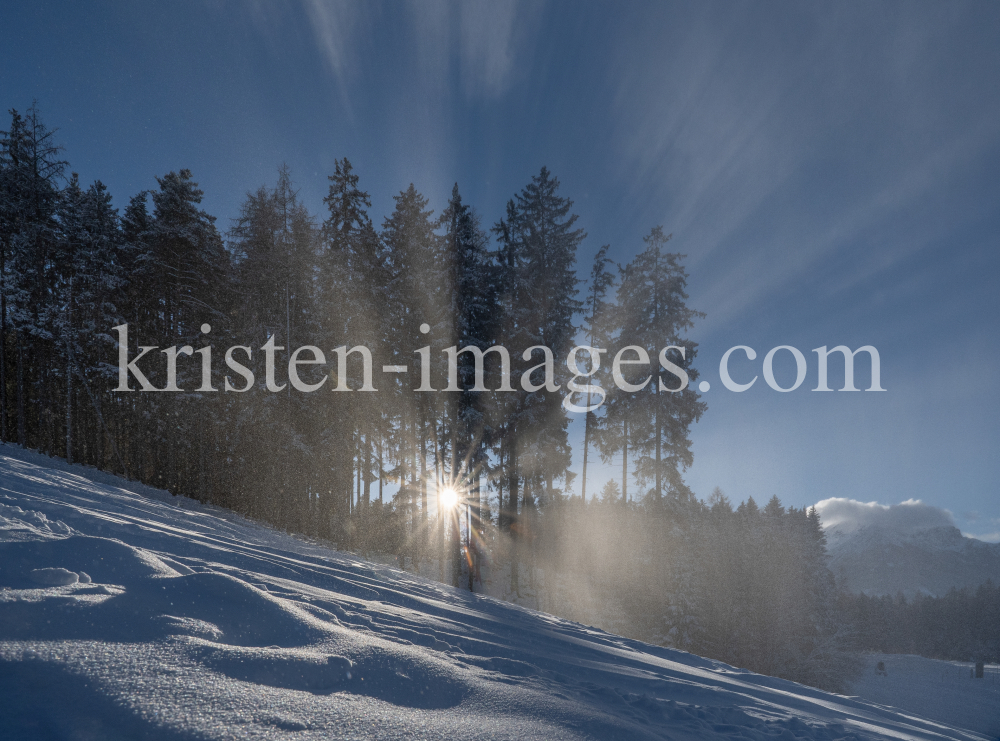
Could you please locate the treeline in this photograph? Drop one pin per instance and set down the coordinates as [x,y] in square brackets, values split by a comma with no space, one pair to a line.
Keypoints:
[749,586]
[368,470]
[73,268]
[964,625]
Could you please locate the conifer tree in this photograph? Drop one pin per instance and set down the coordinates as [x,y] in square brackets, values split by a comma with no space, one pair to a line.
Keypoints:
[418,294]
[537,281]
[610,492]
[189,255]
[191,272]
[274,246]
[353,296]
[473,310]
[86,277]
[101,280]
[513,287]
[66,255]
[33,172]
[598,327]
[611,431]
[136,415]
[654,314]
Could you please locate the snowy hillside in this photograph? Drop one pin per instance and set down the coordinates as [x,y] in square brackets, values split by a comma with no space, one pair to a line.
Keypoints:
[945,691]
[879,560]
[147,616]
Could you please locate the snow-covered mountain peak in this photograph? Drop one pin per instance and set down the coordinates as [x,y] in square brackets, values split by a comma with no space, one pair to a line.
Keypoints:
[944,537]
[879,560]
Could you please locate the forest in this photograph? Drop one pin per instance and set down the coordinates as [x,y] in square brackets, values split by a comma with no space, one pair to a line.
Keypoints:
[371,472]
[963,625]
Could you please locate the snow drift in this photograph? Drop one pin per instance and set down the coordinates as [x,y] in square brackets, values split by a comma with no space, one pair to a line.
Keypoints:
[125,612]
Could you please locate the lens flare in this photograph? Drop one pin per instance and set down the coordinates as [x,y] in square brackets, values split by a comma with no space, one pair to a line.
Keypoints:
[449,498]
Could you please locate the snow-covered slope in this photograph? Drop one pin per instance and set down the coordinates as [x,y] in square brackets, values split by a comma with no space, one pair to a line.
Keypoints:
[945,691]
[878,560]
[146,616]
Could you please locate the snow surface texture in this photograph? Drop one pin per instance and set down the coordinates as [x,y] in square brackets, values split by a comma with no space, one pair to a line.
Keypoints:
[945,691]
[141,615]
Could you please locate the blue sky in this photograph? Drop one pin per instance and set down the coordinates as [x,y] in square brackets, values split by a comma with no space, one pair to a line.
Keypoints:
[832,172]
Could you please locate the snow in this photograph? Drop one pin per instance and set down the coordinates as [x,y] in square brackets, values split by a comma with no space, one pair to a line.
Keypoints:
[883,561]
[910,547]
[944,691]
[126,612]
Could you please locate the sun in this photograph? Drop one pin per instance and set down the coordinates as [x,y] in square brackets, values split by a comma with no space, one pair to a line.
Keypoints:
[449,498]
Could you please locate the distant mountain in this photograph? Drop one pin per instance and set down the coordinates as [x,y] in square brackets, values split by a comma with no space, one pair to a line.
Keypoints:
[878,560]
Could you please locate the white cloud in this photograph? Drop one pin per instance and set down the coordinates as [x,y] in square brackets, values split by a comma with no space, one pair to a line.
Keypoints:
[993,537]
[985,537]
[847,515]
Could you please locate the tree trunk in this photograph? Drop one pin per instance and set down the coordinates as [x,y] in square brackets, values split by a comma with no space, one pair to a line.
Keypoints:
[366,474]
[21,436]
[69,405]
[625,460]
[513,486]
[422,442]
[659,422]
[99,443]
[454,518]
[3,344]
[414,486]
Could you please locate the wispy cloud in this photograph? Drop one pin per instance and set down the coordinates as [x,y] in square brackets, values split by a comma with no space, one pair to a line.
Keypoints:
[444,58]
[484,39]
[335,24]
[487,44]
[719,136]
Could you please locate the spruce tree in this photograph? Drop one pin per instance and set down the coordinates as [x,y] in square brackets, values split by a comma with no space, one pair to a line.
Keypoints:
[353,295]
[654,314]
[537,281]
[101,281]
[418,293]
[274,245]
[598,327]
[192,272]
[33,173]
[474,304]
